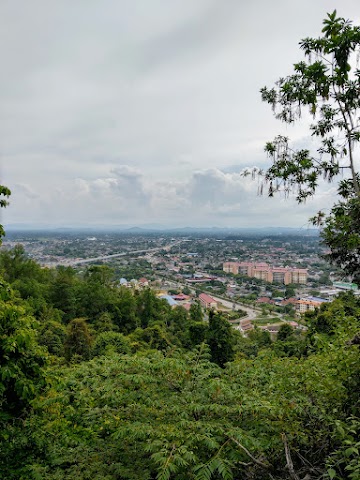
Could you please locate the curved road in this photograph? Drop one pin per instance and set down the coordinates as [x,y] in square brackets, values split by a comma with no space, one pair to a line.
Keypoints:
[251,312]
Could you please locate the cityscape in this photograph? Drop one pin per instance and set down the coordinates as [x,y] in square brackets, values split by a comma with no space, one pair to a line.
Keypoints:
[257,279]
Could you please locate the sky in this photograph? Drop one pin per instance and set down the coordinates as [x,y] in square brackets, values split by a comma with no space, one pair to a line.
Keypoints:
[145,112]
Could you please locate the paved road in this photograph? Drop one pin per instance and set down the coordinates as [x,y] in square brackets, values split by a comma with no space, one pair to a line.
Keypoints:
[115,255]
[122,254]
[251,312]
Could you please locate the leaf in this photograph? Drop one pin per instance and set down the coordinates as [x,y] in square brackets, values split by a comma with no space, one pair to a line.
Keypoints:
[331,472]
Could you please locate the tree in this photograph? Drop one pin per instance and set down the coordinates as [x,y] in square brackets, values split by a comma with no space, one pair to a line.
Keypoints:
[186,290]
[328,84]
[4,194]
[285,331]
[111,341]
[150,308]
[221,339]
[290,290]
[21,358]
[78,340]
[196,313]
[63,292]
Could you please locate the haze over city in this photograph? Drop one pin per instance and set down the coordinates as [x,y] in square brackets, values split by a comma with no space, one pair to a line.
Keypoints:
[147,112]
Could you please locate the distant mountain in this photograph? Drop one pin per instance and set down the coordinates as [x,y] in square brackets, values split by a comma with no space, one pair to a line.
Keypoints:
[147,228]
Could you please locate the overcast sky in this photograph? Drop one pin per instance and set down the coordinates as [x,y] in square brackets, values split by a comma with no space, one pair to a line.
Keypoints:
[146,111]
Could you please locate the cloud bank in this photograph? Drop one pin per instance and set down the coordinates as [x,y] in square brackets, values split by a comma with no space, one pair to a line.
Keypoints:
[136,112]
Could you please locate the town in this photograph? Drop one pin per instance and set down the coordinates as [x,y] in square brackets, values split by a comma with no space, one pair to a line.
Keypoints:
[257,279]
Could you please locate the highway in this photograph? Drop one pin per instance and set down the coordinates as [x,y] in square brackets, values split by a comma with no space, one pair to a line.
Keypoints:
[122,254]
[115,255]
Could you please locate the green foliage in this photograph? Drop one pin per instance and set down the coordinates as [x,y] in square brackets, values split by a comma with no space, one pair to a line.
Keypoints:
[328,85]
[341,233]
[341,314]
[221,339]
[169,412]
[285,332]
[197,332]
[126,311]
[290,290]
[255,342]
[345,461]
[150,308]
[177,415]
[111,342]
[154,337]
[78,340]
[186,290]
[4,195]
[21,358]
[15,265]
[53,335]
[196,313]
[63,292]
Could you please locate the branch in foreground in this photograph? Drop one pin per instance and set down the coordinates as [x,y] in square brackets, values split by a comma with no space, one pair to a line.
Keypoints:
[289,462]
[254,459]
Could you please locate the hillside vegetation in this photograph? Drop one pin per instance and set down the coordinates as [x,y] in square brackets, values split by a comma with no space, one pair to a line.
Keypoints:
[101,382]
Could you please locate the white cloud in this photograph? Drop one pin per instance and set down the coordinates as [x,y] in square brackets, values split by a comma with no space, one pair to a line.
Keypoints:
[206,197]
[145,111]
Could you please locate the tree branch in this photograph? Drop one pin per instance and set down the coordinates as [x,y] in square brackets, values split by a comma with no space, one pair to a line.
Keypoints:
[254,459]
[349,129]
[289,462]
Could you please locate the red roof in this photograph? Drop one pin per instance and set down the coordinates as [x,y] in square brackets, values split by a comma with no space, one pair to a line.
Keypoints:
[264,300]
[206,298]
[181,296]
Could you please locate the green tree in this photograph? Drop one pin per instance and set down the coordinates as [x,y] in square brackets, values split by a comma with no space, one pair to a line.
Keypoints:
[290,290]
[197,332]
[63,292]
[151,308]
[53,336]
[99,274]
[196,313]
[4,195]
[285,332]
[111,342]
[186,290]
[220,339]
[15,265]
[78,339]
[327,83]
[125,311]
[21,358]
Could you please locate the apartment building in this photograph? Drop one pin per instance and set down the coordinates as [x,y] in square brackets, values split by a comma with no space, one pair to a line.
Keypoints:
[263,271]
[299,275]
[231,267]
[308,304]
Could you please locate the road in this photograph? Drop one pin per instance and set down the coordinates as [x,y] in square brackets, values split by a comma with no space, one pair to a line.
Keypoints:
[251,312]
[115,255]
[122,254]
